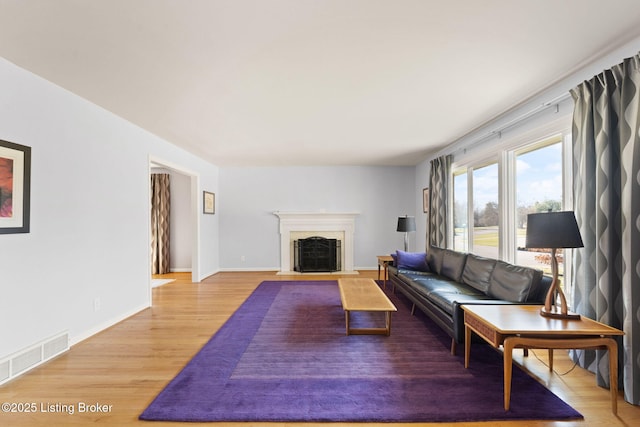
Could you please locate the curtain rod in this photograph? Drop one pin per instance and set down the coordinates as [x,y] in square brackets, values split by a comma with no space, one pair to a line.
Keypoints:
[498,131]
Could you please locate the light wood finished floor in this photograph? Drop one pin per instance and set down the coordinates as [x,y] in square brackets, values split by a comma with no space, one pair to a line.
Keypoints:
[127,365]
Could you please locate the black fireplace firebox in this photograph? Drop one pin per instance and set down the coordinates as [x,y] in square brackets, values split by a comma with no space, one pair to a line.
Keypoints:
[317,254]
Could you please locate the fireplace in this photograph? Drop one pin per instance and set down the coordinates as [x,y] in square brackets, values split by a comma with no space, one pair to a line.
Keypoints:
[331,225]
[317,254]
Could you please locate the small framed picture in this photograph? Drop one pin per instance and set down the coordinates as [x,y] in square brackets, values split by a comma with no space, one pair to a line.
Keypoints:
[208,202]
[15,187]
[425,200]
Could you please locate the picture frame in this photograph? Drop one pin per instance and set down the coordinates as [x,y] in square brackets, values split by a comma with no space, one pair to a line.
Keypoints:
[425,200]
[208,203]
[15,187]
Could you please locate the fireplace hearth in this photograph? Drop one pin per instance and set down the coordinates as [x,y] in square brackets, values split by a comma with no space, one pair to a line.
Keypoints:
[317,254]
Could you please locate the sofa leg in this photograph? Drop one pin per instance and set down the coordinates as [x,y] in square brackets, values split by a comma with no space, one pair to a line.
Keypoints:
[453,347]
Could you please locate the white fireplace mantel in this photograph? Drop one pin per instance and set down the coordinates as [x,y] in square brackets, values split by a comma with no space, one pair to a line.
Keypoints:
[316,221]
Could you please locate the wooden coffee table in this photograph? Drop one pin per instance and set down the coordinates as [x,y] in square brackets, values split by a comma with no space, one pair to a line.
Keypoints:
[365,295]
[522,326]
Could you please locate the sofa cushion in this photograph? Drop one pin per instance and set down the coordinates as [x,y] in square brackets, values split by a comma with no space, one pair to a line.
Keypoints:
[453,264]
[434,259]
[416,261]
[446,301]
[425,284]
[477,272]
[409,275]
[513,282]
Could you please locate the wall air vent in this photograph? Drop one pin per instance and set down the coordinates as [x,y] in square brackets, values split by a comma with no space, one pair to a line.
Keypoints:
[32,356]
[26,360]
[4,371]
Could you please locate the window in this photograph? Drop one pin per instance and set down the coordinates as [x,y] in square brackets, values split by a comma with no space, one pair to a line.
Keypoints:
[460,212]
[539,188]
[486,211]
[495,195]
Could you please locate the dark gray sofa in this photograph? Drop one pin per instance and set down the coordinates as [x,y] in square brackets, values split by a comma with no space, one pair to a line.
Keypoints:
[445,280]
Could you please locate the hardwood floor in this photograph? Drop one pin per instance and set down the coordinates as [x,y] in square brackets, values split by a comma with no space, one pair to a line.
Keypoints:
[123,368]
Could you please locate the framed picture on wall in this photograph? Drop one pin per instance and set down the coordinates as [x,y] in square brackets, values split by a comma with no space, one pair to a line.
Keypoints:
[209,202]
[425,200]
[15,187]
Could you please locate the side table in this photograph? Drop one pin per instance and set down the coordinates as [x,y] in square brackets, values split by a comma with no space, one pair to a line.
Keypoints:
[384,261]
[522,326]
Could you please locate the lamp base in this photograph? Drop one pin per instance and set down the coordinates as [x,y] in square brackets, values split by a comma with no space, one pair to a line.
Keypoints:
[556,313]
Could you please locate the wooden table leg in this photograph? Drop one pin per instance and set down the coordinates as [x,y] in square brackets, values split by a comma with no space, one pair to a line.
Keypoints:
[612,346]
[386,274]
[388,321]
[583,343]
[507,356]
[467,345]
[346,319]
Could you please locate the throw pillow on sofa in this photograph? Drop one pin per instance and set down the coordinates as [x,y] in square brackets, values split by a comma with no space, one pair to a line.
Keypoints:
[416,261]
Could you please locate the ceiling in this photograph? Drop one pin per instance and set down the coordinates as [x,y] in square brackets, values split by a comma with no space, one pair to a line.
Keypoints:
[310,82]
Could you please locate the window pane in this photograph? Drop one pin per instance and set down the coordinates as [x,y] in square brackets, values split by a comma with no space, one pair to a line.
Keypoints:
[538,189]
[486,211]
[460,213]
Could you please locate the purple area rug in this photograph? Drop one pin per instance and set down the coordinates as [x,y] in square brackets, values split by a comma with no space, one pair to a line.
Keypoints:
[284,356]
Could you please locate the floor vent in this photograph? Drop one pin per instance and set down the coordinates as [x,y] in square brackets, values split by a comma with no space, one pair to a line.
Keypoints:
[30,357]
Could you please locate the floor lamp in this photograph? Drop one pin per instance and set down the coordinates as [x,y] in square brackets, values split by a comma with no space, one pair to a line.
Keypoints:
[554,230]
[405,225]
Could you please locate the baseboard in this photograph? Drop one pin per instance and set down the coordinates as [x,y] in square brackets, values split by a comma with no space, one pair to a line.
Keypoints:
[235,269]
[311,273]
[106,325]
[209,274]
[277,270]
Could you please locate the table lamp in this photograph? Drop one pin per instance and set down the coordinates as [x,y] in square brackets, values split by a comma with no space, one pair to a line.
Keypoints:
[554,230]
[405,225]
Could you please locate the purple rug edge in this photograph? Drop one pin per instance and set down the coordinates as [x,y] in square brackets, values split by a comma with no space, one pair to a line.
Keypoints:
[204,391]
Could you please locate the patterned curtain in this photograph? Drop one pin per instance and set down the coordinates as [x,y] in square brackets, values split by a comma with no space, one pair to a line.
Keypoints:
[160,206]
[606,170]
[438,196]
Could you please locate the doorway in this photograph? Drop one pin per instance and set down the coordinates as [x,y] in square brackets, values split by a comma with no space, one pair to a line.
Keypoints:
[183,219]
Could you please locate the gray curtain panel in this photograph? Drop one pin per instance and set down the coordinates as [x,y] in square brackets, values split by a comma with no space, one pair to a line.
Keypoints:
[160,207]
[438,199]
[606,170]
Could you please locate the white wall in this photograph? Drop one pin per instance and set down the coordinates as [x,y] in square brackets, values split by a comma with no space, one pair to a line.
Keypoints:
[90,222]
[181,238]
[249,196]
